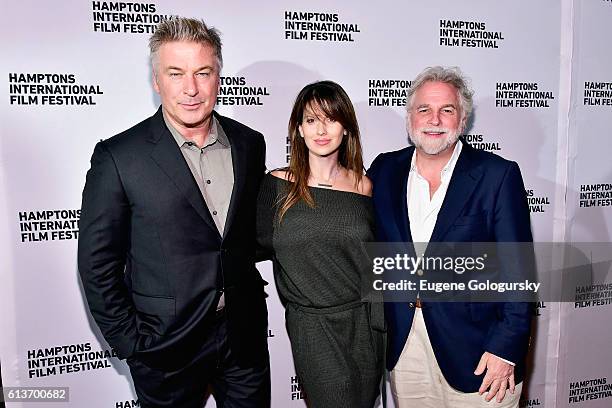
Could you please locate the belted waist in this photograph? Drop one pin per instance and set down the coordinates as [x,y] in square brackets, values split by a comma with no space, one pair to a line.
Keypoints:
[329,309]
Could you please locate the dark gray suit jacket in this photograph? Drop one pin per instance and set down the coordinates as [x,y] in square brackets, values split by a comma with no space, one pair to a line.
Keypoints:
[151,259]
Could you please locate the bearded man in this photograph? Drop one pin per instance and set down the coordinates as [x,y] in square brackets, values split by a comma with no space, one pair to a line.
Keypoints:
[443,190]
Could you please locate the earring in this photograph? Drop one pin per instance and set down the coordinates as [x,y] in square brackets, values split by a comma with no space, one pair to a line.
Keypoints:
[345,132]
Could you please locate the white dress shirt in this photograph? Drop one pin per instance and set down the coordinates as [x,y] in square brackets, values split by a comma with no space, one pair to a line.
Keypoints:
[422,210]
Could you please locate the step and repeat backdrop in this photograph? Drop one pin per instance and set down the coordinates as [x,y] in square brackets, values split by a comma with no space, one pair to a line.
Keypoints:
[75,72]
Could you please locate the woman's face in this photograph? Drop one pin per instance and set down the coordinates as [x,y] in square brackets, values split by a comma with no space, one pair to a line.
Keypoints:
[321,134]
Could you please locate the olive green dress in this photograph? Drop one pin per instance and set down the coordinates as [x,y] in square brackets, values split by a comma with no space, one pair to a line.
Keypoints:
[319,266]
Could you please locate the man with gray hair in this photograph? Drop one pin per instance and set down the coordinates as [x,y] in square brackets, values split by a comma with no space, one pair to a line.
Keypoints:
[167,237]
[443,190]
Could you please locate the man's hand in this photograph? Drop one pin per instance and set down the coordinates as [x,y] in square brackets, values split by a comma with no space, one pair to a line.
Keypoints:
[498,379]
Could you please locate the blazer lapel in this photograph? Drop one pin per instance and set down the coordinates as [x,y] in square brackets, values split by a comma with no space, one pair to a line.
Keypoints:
[169,158]
[399,191]
[463,182]
[239,164]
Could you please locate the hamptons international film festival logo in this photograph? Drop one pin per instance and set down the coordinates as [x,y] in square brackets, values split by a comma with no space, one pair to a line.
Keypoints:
[295,388]
[538,203]
[67,359]
[482,142]
[387,92]
[127,18]
[522,95]
[128,403]
[49,225]
[50,89]
[318,26]
[597,93]
[590,390]
[468,34]
[596,195]
[537,310]
[594,295]
[527,402]
[238,91]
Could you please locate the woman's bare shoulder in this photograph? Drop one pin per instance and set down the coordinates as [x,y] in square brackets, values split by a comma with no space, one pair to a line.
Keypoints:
[282,173]
[365,186]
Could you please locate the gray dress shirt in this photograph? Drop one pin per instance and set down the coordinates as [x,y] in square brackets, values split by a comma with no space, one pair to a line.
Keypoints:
[212,169]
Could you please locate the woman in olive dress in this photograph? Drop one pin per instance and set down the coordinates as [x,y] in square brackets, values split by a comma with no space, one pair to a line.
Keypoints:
[314,217]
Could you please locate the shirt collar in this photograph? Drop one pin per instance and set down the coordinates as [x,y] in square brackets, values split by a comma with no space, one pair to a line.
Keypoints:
[214,134]
[448,168]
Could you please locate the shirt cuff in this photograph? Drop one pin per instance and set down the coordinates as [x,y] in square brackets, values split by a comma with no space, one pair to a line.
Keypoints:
[503,359]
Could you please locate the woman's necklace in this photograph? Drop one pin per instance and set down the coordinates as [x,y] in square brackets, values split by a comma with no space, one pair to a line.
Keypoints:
[330,183]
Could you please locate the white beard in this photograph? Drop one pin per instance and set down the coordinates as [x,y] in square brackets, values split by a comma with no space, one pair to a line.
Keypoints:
[432,145]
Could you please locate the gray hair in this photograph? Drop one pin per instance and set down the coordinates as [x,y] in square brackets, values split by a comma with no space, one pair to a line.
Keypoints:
[185,29]
[450,75]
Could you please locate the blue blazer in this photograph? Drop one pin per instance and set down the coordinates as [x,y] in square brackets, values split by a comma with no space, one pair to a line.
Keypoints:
[485,202]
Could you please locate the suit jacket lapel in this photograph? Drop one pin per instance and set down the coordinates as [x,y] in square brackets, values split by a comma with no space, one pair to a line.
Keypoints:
[399,190]
[463,182]
[239,164]
[169,158]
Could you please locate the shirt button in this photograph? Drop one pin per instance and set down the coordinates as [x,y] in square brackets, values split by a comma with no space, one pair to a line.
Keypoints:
[207,181]
[214,213]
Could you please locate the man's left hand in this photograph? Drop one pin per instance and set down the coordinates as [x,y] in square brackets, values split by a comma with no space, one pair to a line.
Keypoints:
[498,379]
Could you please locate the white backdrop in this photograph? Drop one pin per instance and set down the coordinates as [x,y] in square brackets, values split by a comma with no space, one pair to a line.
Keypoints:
[551,48]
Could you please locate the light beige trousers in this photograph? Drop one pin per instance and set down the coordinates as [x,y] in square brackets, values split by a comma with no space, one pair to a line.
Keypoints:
[417,382]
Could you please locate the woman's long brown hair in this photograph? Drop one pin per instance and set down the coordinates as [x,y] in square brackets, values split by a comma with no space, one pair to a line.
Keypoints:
[332,100]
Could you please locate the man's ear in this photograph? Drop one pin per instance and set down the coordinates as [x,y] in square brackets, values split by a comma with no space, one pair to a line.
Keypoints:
[463,124]
[154,80]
